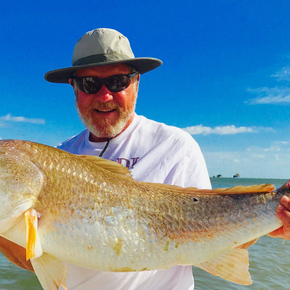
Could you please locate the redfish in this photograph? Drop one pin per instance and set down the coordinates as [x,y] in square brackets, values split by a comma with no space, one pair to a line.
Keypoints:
[90,212]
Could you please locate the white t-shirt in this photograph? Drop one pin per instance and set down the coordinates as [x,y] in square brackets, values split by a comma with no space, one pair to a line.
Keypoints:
[153,152]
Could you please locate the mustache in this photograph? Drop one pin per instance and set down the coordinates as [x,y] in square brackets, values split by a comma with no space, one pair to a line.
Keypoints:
[105,106]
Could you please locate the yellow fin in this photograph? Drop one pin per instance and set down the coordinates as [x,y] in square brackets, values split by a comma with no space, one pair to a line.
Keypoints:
[247,245]
[109,165]
[261,188]
[33,245]
[232,265]
[50,272]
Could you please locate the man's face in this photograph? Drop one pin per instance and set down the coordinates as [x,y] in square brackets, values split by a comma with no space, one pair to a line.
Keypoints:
[105,113]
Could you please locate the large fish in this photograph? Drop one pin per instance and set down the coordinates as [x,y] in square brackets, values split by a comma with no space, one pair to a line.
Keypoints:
[89,212]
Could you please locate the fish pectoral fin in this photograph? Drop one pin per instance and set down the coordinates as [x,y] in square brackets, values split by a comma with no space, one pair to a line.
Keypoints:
[50,271]
[33,244]
[109,165]
[232,265]
[247,245]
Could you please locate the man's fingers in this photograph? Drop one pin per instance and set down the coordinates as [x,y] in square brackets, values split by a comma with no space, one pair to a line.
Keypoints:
[285,201]
[283,213]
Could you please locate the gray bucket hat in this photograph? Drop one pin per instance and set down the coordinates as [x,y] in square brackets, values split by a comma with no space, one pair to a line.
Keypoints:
[101,47]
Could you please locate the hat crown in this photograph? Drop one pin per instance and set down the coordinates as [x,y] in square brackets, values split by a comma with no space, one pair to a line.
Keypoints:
[99,47]
[102,42]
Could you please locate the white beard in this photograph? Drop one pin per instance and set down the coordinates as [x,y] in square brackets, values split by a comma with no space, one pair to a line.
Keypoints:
[104,129]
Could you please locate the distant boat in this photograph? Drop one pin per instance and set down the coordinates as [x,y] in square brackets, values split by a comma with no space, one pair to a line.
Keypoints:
[237,175]
[218,176]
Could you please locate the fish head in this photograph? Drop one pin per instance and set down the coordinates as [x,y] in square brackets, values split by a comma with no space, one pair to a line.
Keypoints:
[20,183]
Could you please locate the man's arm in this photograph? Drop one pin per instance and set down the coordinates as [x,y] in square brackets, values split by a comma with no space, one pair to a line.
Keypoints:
[15,254]
[283,213]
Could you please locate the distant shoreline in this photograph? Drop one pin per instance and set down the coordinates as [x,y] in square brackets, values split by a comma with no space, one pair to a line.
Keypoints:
[229,177]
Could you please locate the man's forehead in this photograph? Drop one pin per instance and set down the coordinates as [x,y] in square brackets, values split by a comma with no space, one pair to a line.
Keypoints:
[104,70]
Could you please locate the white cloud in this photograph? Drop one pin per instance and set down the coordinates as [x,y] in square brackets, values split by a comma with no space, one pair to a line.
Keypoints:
[254,162]
[223,130]
[278,146]
[283,74]
[275,95]
[10,118]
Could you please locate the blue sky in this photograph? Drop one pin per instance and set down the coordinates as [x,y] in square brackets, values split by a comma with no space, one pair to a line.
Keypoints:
[225,76]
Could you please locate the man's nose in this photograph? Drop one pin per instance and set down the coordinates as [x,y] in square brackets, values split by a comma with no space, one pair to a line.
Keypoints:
[104,95]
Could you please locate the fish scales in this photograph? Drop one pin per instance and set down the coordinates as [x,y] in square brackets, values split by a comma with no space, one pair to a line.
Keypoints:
[55,206]
[92,214]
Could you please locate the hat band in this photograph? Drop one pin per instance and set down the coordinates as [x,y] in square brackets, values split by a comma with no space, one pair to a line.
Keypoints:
[97,58]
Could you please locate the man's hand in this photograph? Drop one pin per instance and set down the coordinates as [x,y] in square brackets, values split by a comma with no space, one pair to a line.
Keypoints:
[283,213]
[15,254]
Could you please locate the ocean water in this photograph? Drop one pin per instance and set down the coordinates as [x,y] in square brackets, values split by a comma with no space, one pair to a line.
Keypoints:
[269,259]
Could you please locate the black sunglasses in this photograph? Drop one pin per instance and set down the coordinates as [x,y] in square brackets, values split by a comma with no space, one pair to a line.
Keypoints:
[116,83]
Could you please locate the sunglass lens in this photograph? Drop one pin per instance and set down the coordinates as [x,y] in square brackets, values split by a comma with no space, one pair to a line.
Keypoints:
[90,85]
[117,83]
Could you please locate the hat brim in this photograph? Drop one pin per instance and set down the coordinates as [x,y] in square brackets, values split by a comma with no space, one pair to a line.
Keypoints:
[142,65]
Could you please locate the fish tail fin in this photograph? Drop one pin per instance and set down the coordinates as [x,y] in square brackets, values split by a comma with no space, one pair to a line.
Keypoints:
[286,185]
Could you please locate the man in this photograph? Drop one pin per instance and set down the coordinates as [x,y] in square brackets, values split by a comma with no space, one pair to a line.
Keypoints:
[152,151]
[105,78]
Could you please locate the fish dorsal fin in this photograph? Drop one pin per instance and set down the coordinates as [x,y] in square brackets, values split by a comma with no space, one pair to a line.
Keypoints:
[247,245]
[261,188]
[50,272]
[109,165]
[232,265]
[33,244]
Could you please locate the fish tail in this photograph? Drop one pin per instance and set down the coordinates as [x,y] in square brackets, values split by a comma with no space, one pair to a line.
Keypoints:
[286,185]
